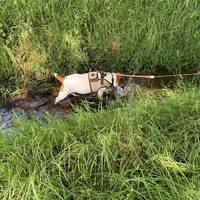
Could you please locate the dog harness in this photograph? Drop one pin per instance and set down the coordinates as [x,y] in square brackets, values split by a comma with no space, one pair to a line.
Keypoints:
[97,81]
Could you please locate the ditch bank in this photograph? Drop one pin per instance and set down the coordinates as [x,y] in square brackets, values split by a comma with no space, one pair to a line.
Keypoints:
[39,102]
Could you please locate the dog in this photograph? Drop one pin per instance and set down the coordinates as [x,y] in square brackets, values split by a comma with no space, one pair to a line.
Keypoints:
[87,83]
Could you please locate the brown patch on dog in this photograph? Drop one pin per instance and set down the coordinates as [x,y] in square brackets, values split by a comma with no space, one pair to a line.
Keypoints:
[120,80]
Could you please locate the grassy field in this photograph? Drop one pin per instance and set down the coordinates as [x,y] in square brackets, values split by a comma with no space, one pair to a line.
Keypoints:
[145,150]
[40,37]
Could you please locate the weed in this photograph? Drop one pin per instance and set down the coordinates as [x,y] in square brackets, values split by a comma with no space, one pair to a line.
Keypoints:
[102,35]
[147,150]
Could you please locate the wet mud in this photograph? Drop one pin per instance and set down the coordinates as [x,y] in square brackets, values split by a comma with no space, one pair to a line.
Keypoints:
[37,102]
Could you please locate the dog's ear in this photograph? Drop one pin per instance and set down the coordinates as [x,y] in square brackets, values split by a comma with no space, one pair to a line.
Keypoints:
[120,79]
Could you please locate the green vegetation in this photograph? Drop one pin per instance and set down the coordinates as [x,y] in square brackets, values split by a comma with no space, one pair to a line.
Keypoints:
[147,150]
[39,37]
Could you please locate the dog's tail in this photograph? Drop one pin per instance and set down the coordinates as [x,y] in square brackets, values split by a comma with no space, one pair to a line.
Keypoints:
[60,78]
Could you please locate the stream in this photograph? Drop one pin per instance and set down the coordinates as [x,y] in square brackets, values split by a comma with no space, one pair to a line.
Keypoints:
[36,103]
[27,108]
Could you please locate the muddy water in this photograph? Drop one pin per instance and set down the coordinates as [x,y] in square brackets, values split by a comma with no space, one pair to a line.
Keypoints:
[33,103]
[7,116]
[26,106]
[39,105]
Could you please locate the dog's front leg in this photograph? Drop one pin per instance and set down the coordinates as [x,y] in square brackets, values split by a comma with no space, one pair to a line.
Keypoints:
[61,96]
[101,92]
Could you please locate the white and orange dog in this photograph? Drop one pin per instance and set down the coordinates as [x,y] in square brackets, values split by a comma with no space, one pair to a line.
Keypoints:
[87,83]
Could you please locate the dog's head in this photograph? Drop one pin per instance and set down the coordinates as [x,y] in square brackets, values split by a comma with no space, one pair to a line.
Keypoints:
[118,80]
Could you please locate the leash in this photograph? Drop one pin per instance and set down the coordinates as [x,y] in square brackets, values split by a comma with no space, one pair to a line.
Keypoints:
[137,76]
[158,76]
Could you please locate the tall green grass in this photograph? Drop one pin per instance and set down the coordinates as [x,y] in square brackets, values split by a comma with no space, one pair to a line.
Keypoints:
[97,35]
[147,150]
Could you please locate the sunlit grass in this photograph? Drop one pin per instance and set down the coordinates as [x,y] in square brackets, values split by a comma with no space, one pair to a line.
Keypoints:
[102,35]
[146,150]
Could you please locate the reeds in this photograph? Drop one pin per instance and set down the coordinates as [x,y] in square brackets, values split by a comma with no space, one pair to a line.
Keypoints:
[147,150]
[98,35]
